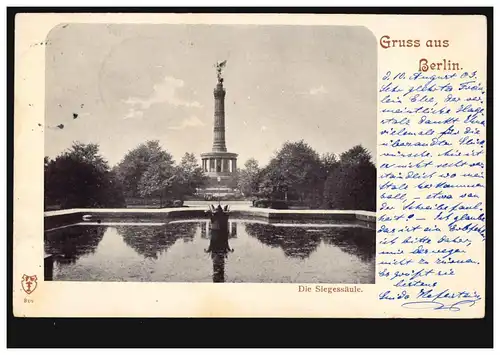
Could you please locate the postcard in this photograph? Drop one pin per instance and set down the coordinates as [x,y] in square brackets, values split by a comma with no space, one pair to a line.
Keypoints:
[249,165]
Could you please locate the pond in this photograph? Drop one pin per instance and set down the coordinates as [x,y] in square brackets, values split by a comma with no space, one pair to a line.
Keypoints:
[177,252]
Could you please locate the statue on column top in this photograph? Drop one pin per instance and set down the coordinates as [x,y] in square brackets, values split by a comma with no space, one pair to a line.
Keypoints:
[219,67]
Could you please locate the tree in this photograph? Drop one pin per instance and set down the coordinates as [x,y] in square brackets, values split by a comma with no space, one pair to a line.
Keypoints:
[157,180]
[136,162]
[329,162]
[159,175]
[80,177]
[357,155]
[296,170]
[149,170]
[352,185]
[272,183]
[249,178]
[189,176]
[89,153]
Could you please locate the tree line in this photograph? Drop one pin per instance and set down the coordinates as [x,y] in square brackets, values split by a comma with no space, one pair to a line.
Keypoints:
[298,173]
[81,177]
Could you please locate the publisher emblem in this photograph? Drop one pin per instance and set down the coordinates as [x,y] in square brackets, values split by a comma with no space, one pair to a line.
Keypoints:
[29,283]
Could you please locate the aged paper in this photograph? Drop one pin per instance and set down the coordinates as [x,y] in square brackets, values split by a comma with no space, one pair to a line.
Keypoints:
[410,89]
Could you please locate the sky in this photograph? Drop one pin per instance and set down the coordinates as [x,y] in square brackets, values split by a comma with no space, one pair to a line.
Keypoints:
[129,83]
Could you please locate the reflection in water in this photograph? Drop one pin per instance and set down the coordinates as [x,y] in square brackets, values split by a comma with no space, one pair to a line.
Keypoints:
[67,245]
[150,241]
[357,241]
[301,242]
[294,241]
[219,248]
[205,228]
[219,242]
[198,252]
[233,230]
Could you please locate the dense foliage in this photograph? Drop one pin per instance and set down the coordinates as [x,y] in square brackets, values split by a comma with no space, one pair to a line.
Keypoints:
[189,176]
[298,173]
[248,178]
[80,177]
[145,169]
[353,184]
[150,171]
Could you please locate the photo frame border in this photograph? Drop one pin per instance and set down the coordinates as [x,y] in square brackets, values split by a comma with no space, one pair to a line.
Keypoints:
[221,332]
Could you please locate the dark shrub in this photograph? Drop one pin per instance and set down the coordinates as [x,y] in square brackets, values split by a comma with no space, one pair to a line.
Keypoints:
[178,203]
[274,204]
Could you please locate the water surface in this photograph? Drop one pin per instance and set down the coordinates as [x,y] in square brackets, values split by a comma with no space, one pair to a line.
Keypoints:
[177,252]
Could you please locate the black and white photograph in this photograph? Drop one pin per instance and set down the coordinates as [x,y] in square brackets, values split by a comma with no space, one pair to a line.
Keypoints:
[210,153]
